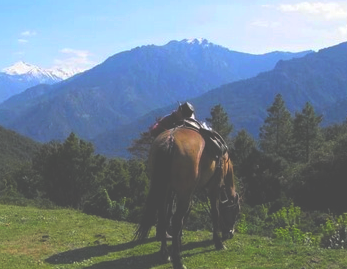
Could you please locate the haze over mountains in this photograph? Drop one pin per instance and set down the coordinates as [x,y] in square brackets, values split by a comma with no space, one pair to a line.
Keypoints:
[20,76]
[319,78]
[127,86]
[116,100]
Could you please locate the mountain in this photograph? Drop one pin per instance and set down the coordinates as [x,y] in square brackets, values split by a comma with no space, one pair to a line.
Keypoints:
[20,76]
[15,148]
[127,86]
[319,78]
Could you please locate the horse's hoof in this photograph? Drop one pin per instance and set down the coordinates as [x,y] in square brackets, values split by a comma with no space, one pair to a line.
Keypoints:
[167,237]
[165,256]
[220,247]
[180,267]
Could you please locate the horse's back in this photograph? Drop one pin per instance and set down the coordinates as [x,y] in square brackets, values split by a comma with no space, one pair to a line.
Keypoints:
[190,166]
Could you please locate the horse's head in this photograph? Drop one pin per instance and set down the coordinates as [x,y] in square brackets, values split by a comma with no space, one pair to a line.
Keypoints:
[229,204]
[229,208]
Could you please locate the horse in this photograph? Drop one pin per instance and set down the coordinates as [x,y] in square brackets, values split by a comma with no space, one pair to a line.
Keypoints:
[179,164]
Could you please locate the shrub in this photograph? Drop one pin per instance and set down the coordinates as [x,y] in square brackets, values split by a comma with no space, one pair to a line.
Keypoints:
[101,205]
[19,200]
[254,220]
[287,216]
[199,218]
[242,225]
[117,210]
[293,234]
[334,232]
[286,223]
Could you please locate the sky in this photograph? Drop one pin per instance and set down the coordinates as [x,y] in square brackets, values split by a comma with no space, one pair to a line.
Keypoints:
[83,33]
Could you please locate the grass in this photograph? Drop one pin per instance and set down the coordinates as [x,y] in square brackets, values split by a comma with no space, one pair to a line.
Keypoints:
[64,238]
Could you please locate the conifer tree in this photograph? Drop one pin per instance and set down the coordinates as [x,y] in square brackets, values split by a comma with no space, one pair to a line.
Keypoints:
[70,171]
[140,147]
[276,132]
[219,121]
[306,131]
[244,144]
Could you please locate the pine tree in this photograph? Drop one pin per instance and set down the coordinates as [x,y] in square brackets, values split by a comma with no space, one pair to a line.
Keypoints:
[70,171]
[140,147]
[276,132]
[219,121]
[306,131]
[244,145]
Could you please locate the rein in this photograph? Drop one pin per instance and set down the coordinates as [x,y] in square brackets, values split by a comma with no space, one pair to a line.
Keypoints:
[206,205]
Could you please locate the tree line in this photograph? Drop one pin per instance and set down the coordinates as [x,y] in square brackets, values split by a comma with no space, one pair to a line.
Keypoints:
[294,159]
[70,174]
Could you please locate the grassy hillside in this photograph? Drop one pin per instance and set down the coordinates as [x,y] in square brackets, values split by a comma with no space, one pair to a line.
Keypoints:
[15,148]
[63,238]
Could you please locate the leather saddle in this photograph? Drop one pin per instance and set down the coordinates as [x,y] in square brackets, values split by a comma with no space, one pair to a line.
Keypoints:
[215,144]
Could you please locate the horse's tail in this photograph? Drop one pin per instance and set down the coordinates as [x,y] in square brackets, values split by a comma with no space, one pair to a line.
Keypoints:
[161,165]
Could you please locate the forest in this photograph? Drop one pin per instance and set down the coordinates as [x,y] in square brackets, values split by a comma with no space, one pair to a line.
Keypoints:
[290,179]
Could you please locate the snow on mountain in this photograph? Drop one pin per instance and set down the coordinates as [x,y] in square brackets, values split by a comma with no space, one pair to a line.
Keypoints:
[198,41]
[19,68]
[21,76]
[32,72]
[64,73]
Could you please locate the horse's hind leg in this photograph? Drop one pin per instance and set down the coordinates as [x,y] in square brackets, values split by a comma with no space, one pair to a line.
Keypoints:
[182,208]
[161,230]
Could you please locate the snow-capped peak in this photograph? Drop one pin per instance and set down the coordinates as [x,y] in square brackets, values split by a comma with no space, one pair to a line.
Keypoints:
[198,41]
[21,68]
[64,73]
[44,75]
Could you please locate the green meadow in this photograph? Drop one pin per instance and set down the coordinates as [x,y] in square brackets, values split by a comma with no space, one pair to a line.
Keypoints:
[64,238]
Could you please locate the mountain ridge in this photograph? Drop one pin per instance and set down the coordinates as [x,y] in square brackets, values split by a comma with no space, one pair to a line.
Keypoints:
[319,78]
[128,85]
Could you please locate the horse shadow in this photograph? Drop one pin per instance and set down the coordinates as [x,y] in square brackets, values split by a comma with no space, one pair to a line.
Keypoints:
[146,261]
[81,254]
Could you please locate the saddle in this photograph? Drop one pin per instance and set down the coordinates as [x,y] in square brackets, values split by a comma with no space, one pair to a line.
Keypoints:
[214,142]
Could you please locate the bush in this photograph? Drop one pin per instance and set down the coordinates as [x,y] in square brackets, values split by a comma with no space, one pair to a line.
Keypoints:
[101,205]
[199,218]
[20,200]
[334,232]
[242,225]
[254,220]
[293,234]
[117,210]
[288,224]
[287,216]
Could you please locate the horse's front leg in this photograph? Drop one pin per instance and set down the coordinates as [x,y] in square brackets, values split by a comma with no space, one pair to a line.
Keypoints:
[214,201]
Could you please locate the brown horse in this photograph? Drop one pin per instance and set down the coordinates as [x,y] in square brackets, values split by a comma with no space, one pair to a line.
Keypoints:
[179,164]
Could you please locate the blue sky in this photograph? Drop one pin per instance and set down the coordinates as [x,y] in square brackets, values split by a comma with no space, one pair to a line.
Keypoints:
[83,33]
